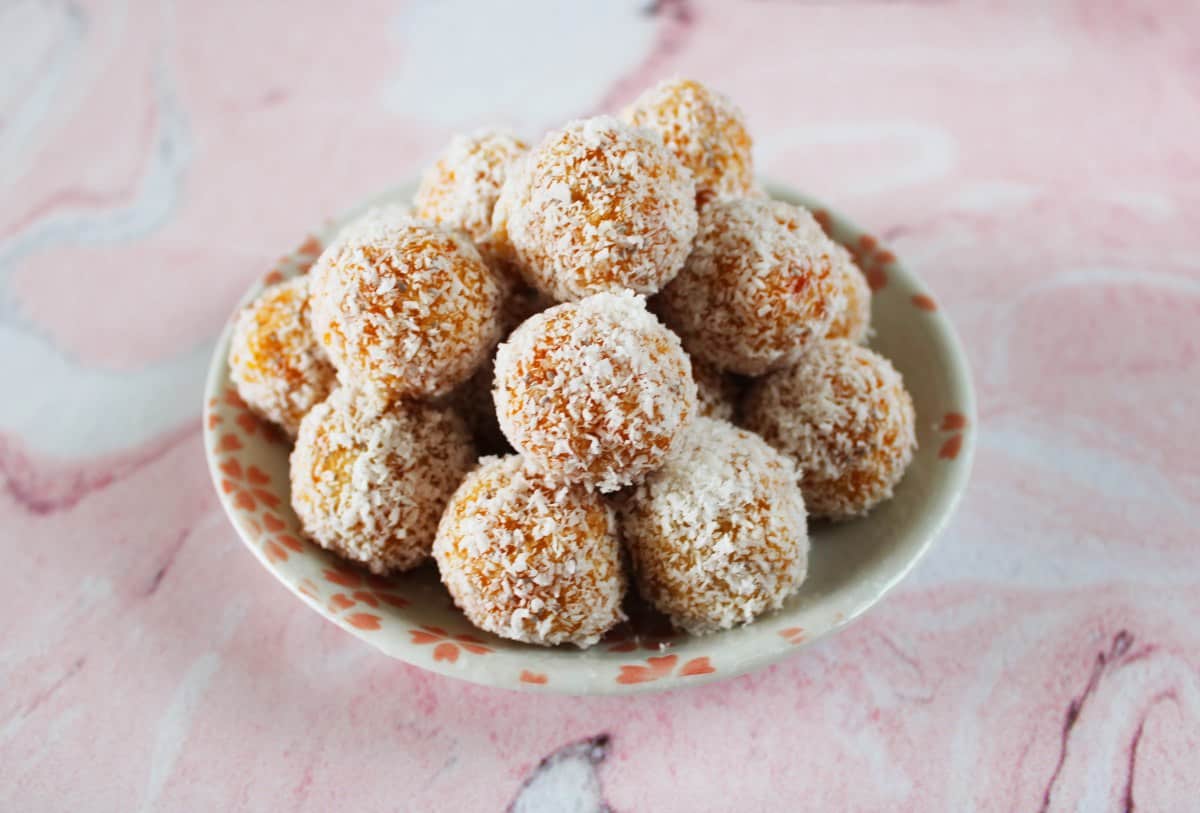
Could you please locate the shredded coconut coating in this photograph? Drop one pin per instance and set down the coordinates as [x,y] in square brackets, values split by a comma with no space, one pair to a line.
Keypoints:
[853,321]
[371,486]
[274,359]
[704,129]
[459,191]
[843,415]
[758,289]
[717,393]
[719,534]
[404,308]
[594,392]
[597,206]
[531,560]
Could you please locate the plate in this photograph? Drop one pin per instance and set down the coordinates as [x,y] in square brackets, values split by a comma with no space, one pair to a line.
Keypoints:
[852,566]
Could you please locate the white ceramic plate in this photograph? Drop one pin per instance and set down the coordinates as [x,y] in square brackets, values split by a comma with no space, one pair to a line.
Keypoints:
[852,566]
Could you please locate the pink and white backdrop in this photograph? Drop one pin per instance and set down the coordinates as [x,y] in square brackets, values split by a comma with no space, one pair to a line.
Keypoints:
[1037,163]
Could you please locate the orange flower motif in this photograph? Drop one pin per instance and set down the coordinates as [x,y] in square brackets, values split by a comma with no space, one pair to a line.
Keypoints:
[924,302]
[308,588]
[366,597]
[277,544]
[628,645]
[447,645]
[793,635]
[536,678]
[697,666]
[661,667]
[364,621]
[248,422]
[273,276]
[952,422]
[871,258]
[951,448]
[213,419]
[308,253]
[339,602]
[233,399]
[274,551]
[345,578]
[245,487]
[354,582]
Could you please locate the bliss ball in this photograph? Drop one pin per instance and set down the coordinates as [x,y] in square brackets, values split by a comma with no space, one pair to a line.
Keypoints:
[704,129]
[275,360]
[531,560]
[459,191]
[853,321]
[758,289]
[404,308]
[370,486]
[717,393]
[718,535]
[595,392]
[598,206]
[843,415]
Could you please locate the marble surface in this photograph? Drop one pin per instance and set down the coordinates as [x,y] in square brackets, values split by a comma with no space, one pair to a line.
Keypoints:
[1036,163]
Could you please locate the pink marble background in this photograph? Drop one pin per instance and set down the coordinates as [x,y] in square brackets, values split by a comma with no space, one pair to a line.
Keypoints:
[1037,163]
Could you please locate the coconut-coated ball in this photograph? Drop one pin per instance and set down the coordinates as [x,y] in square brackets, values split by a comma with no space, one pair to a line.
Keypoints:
[704,129]
[404,308]
[460,189]
[275,360]
[758,289]
[597,206]
[594,392]
[843,415]
[853,320]
[371,486]
[531,560]
[719,534]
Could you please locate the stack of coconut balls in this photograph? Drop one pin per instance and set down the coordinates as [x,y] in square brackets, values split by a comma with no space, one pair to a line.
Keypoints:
[509,306]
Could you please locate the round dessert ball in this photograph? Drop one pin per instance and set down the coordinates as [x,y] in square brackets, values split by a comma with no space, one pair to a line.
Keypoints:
[853,321]
[719,534]
[594,392]
[370,485]
[404,308]
[274,359]
[843,415]
[717,393]
[530,560]
[758,289]
[704,129]
[597,206]
[459,191]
